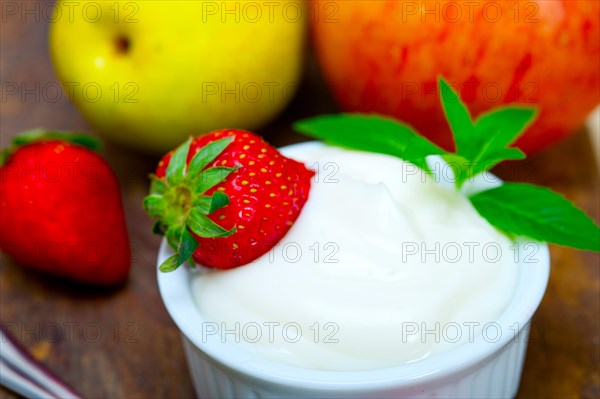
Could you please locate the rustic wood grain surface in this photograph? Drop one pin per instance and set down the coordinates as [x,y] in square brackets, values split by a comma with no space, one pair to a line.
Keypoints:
[122,343]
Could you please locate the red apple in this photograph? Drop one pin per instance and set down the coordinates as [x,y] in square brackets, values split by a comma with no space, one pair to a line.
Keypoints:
[385,56]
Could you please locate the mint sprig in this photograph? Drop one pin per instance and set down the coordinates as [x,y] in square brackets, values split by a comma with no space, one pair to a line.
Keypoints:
[516,209]
[483,143]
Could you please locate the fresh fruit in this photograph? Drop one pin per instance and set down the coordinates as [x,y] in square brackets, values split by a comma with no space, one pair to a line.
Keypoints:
[225,198]
[61,210]
[385,57]
[147,74]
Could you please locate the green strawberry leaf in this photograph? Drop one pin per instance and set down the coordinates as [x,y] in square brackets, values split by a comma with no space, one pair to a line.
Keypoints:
[202,226]
[219,200]
[173,235]
[185,249]
[177,169]
[5,154]
[203,204]
[158,228]
[371,133]
[538,213]
[170,264]
[208,205]
[157,186]
[154,204]
[211,177]
[82,139]
[207,154]
[177,202]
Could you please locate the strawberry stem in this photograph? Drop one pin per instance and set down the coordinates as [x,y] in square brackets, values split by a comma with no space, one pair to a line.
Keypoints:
[179,203]
[39,134]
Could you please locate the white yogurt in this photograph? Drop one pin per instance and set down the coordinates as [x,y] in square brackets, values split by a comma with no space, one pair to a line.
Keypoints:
[384,266]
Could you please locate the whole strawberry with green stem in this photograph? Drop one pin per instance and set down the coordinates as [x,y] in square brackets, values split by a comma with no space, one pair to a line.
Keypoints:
[60,209]
[225,198]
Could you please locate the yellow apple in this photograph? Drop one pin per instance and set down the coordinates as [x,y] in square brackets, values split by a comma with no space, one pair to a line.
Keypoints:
[149,73]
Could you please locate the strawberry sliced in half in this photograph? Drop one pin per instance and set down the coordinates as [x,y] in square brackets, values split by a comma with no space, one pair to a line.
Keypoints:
[225,198]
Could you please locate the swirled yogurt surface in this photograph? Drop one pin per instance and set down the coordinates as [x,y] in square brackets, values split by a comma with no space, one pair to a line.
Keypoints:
[385,266]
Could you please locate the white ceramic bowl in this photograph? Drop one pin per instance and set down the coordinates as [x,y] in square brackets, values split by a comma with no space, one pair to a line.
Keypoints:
[481,368]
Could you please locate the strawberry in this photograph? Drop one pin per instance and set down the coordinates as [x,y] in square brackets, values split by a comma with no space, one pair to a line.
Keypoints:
[225,198]
[61,211]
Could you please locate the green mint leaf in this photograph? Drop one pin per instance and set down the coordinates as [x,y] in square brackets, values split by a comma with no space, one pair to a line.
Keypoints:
[461,167]
[371,133]
[207,154]
[484,143]
[459,119]
[211,177]
[498,129]
[465,170]
[187,246]
[176,171]
[202,226]
[492,159]
[538,213]
[501,127]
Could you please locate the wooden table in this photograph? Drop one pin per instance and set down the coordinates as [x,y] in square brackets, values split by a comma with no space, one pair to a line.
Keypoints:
[122,343]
